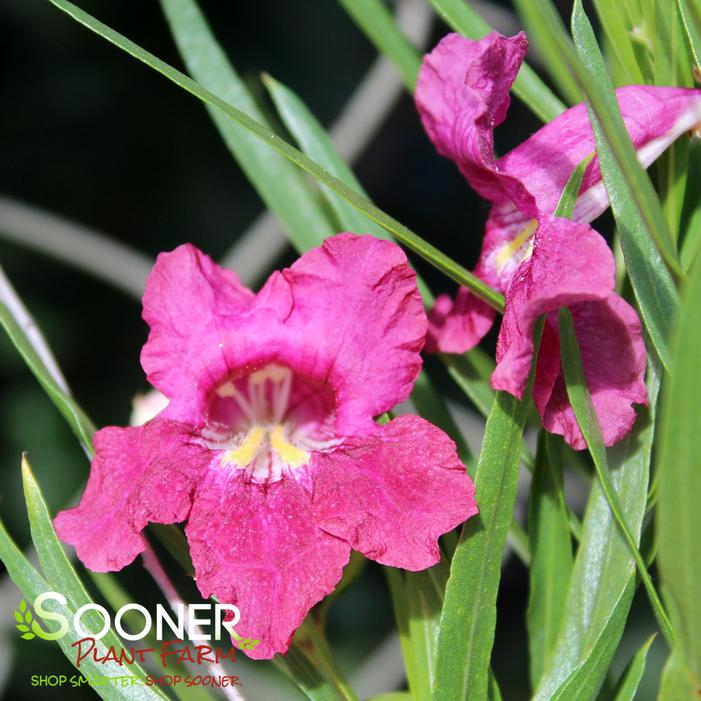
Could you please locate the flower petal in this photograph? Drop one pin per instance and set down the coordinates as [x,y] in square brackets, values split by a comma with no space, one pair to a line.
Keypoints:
[456,326]
[613,357]
[572,266]
[654,118]
[392,494]
[356,305]
[257,546]
[187,302]
[462,94]
[139,474]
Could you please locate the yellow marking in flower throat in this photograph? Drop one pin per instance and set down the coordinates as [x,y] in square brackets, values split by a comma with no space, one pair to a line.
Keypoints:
[508,250]
[247,451]
[289,453]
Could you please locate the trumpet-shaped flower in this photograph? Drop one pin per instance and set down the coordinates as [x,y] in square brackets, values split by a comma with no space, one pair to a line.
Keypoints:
[539,261]
[268,446]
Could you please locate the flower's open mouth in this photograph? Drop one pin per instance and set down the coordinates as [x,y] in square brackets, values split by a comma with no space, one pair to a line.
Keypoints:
[268,422]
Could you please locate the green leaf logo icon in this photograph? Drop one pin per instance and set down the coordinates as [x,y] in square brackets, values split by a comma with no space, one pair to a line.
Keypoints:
[24,618]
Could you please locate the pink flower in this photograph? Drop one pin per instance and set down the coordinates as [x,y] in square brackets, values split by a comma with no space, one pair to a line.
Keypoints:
[268,446]
[539,261]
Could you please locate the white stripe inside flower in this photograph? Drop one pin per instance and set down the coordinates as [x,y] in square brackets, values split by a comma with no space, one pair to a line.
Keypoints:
[268,422]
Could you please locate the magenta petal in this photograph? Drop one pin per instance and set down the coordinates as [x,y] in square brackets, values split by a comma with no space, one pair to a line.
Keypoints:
[572,266]
[257,546]
[613,357]
[654,117]
[459,325]
[392,494]
[188,301]
[462,94]
[99,527]
[138,474]
[356,304]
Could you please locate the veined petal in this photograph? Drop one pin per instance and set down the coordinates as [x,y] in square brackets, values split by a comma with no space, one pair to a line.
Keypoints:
[392,494]
[462,95]
[613,357]
[654,118]
[572,266]
[188,302]
[455,326]
[139,474]
[357,310]
[258,547]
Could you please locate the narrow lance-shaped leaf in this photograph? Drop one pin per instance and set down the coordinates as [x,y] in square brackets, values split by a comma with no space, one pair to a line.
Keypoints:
[280,185]
[73,414]
[690,14]
[654,288]
[580,399]
[377,23]
[603,579]
[314,141]
[678,514]
[627,685]
[536,15]
[616,25]
[32,584]
[468,619]
[584,682]
[691,214]
[551,556]
[528,86]
[400,232]
[590,71]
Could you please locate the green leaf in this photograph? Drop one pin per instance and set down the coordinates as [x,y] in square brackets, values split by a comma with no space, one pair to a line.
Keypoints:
[396,581]
[316,144]
[634,203]
[603,578]
[430,404]
[528,87]
[424,593]
[672,66]
[537,15]
[627,685]
[305,674]
[63,578]
[400,232]
[77,420]
[23,606]
[678,515]
[19,617]
[31,584]
[551,556]
[471,372]
[22,627]
[691,213]
[379,26]
[392,696]
[314,141]
[617,26]
[468,619]
[580,399]
[590,72]
[568,198]
[584,683]
[280,185]
[690,13]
